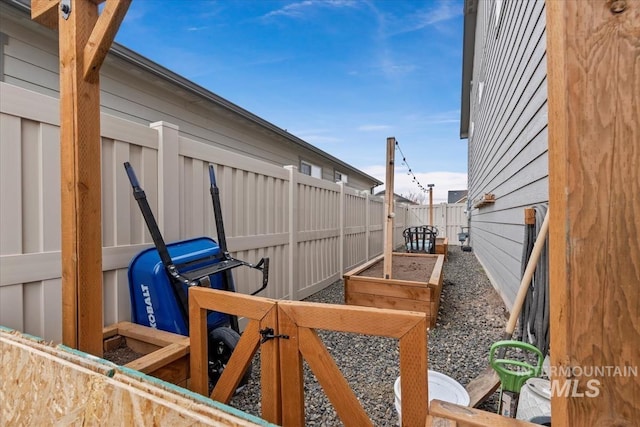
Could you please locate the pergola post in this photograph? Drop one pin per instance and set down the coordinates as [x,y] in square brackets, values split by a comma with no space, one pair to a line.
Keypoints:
[85,38]
[389,209]
[594,191]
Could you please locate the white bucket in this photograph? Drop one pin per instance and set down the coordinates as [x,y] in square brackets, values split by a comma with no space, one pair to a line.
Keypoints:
[535,399]
[441,387]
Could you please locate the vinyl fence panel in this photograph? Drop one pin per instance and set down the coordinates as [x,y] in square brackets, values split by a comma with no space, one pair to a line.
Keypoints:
[312,230]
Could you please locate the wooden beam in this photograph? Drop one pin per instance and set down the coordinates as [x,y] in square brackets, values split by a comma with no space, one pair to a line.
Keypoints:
[389,204]
[45,12]
[594,132]
[85,38]
[80,185]
[102,37]
[464,416]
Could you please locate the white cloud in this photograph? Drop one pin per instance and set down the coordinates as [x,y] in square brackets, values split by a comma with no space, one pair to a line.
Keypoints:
[370,128]
[444,181]
[297,10]
[444,11]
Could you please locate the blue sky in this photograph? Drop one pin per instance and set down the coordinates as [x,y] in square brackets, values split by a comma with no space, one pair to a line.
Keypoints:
[341,74]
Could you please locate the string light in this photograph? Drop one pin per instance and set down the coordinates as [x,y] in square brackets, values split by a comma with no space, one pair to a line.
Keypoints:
[409,171]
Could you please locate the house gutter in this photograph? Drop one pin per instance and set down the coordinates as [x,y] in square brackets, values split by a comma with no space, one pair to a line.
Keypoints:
[128,55]
[468,47]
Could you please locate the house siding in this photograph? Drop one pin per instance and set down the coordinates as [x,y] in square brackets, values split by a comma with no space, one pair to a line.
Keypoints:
[508,134]
[30,60]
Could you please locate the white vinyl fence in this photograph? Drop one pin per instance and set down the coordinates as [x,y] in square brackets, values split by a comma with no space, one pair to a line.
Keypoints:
[448,218]
[312,230]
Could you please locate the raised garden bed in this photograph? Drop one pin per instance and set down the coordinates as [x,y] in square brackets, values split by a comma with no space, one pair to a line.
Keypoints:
[151,351]
[415,284]
[442,246]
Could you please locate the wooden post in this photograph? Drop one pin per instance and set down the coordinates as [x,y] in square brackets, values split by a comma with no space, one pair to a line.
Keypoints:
[85,38]
[431,204]
[389,208]
[594,151]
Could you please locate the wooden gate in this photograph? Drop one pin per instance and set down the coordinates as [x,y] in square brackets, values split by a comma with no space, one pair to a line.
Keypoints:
[294,324]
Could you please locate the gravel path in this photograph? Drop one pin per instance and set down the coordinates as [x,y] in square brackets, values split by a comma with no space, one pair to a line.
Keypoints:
[472,317]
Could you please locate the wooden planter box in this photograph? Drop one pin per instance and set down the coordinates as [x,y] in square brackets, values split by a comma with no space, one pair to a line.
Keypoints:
[442,246]
[165,355]
[365,286]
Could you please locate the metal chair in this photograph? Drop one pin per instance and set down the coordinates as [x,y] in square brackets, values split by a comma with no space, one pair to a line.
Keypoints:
[420,239]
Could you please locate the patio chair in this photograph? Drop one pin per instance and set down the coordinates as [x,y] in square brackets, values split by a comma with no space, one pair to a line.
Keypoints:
[420,239]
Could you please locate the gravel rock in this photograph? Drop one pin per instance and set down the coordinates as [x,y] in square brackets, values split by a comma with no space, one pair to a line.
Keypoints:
[472,317]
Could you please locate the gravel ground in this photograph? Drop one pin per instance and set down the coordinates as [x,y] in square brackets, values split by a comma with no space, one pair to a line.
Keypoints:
[471,317]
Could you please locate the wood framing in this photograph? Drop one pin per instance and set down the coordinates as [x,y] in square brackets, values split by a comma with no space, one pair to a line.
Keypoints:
[594,132]
[410,328]
[85,38]
[360,289]
[261,314]
[165,355]
[463,416]
[295,340]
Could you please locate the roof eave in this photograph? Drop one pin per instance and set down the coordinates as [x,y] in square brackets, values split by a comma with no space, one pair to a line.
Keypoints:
[469,41]
[128,55]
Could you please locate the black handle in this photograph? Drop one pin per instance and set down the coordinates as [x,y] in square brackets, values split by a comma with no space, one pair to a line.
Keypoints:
[212,176]
[132,176]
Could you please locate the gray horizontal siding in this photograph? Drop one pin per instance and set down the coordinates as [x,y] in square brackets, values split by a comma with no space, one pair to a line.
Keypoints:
[31,61]
[508,147]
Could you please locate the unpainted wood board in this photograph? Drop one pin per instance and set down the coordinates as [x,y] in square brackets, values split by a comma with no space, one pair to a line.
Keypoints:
[482,386]
[413,371]
[270,374]
[292,384]
[176,372]
[159,358]
[470,417]
[387,302]
[594,247]
[150,335]
[360,320]
[386,289]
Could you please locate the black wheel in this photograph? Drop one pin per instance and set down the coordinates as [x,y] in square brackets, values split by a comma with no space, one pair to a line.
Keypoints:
[222,342]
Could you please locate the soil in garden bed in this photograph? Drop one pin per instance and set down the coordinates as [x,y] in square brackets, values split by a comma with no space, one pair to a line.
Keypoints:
[409,268]
[121,355]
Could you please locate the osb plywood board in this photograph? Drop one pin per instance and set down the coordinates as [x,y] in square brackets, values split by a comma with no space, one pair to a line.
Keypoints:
[40,388]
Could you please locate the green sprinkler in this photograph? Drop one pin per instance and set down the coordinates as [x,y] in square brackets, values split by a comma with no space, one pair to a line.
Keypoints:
[513,373]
